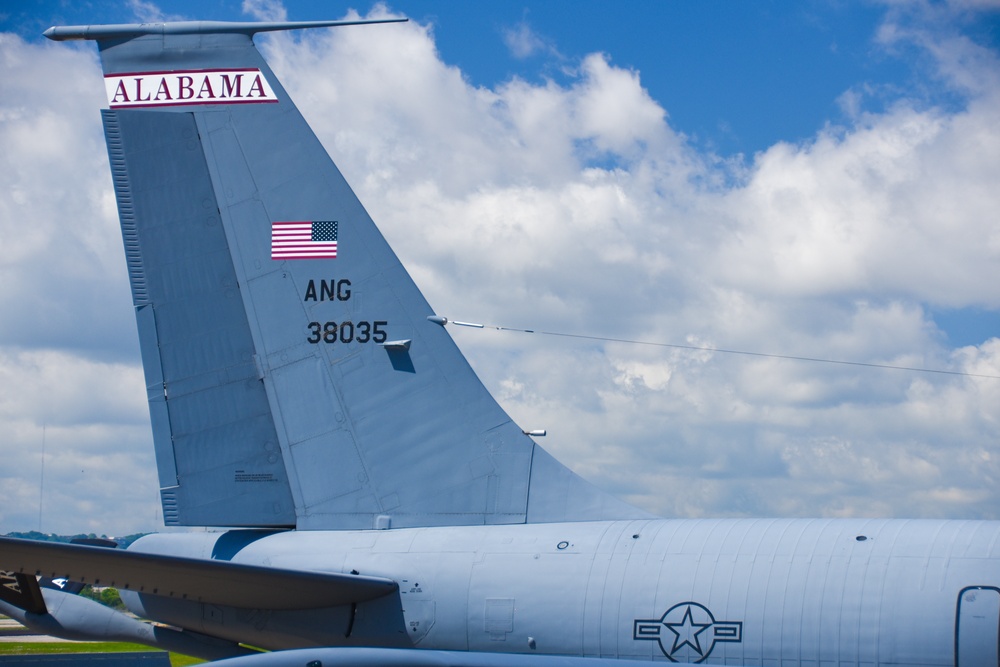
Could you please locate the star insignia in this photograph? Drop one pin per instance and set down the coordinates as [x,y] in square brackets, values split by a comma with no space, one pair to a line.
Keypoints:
[686,632]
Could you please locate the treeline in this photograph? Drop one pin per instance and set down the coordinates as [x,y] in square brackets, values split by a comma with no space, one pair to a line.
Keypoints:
[107,596]
[123,542]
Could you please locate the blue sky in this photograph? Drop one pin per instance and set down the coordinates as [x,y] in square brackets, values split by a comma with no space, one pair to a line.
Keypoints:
[813,179]
[734,77]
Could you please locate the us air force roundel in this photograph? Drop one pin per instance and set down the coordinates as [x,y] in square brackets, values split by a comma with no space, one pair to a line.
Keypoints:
[687,632]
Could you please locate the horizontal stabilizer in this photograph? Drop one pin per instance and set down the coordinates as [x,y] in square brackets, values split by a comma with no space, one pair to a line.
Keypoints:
[210,581]
[130,30]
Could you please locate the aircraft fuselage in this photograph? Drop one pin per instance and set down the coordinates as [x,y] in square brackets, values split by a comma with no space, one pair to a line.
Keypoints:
[741,591]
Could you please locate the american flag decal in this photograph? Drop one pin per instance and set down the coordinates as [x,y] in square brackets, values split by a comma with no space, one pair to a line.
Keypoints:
[315,239]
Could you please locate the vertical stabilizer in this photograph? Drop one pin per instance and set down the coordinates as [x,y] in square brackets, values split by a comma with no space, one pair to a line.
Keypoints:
[293,375]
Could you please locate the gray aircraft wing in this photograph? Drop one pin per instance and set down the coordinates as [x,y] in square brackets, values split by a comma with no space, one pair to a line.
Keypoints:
[199,580]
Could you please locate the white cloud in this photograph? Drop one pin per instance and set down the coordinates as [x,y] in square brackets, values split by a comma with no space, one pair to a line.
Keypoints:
[68,363]
[265,10]
[149,12]
[523,42]
[610,224]
[937,29]
[92,425]
[900,203]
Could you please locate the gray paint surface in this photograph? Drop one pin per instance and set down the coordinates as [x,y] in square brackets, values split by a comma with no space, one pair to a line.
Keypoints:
[800,592]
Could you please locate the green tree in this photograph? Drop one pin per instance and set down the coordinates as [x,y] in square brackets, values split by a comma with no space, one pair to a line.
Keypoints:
[109,596]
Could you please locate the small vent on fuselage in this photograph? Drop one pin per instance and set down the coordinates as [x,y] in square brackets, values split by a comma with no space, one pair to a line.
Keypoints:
[171,512]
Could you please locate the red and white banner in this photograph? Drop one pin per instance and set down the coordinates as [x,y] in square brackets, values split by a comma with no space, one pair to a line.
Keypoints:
[227,86]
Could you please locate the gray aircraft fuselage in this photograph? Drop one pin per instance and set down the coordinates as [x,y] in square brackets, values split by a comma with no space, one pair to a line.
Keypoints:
[732,591]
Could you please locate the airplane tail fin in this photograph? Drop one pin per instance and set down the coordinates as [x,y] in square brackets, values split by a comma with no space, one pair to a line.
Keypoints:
[296,376]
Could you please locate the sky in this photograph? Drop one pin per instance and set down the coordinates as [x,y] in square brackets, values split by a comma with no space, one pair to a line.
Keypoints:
[805,179]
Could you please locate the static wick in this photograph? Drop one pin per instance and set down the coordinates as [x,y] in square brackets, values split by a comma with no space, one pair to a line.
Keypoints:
[442,320]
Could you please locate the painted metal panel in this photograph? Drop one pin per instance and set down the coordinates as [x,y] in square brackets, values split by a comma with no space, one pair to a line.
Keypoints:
[216,446]
[507,614]
[156,396]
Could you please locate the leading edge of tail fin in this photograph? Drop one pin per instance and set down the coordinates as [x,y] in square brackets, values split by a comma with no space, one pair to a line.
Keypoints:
[293,376]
